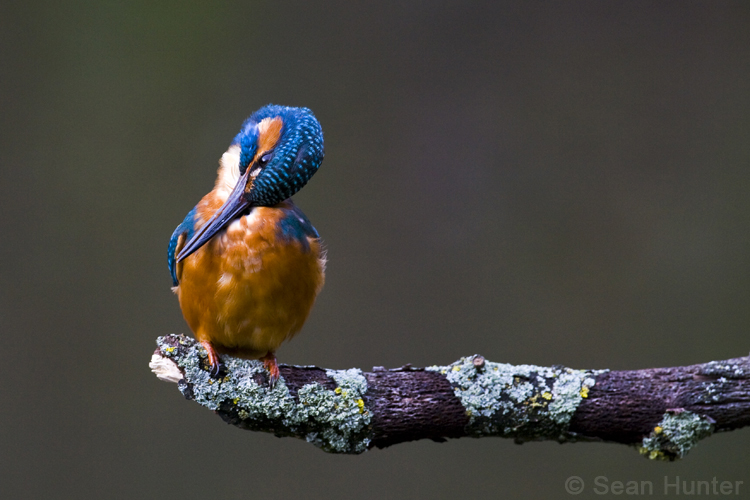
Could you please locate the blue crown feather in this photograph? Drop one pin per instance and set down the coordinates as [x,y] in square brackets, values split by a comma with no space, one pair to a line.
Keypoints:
[297,156]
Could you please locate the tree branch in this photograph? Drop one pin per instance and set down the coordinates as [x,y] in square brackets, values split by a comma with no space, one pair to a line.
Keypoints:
[662,411]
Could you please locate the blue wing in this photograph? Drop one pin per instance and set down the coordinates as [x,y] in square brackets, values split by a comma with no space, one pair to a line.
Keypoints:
[187,227]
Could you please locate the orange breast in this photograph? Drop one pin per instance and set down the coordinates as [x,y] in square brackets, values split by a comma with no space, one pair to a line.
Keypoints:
[250,287]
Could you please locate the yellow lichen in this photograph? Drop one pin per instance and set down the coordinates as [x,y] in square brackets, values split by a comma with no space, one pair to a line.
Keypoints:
[584,392]
[652,454]
[337,390]
[456,368]
[361,404]
[547,395]
[533,402]
[657,430]
[657,455]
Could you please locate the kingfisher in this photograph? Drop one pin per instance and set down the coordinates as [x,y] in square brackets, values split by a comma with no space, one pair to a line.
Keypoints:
[246,263]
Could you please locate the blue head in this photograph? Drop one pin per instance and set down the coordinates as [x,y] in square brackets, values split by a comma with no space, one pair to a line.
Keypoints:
[280,150]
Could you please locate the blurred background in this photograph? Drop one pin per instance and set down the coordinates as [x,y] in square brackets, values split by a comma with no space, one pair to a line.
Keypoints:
[547,183]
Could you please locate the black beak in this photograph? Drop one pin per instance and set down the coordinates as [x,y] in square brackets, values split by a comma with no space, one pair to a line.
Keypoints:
[235,204]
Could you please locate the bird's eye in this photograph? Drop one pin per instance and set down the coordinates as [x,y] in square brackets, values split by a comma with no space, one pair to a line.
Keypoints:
[264,158]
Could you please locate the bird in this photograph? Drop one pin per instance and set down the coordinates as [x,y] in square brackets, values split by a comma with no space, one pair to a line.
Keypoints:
[246,263]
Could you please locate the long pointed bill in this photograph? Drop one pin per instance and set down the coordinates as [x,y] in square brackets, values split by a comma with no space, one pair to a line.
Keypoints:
[235,204]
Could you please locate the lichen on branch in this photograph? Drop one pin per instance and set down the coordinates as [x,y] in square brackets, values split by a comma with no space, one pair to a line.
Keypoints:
[663,412]
[525,402]
[332,419]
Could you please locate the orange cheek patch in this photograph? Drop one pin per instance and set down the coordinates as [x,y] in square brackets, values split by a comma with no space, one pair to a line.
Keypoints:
[269,131]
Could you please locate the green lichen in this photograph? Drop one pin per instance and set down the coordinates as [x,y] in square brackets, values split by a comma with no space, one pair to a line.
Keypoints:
[334,420]
[675,435]
[521,401]
[345,427]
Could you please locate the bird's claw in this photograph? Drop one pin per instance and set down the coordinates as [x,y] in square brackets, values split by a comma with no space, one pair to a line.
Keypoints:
[216,369]
[269,362]
[213,360]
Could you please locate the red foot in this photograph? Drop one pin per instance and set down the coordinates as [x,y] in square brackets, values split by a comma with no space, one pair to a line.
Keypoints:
[213,358]
[269,361]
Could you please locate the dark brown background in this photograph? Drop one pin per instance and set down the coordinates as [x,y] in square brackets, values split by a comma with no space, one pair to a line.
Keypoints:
[536,182]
